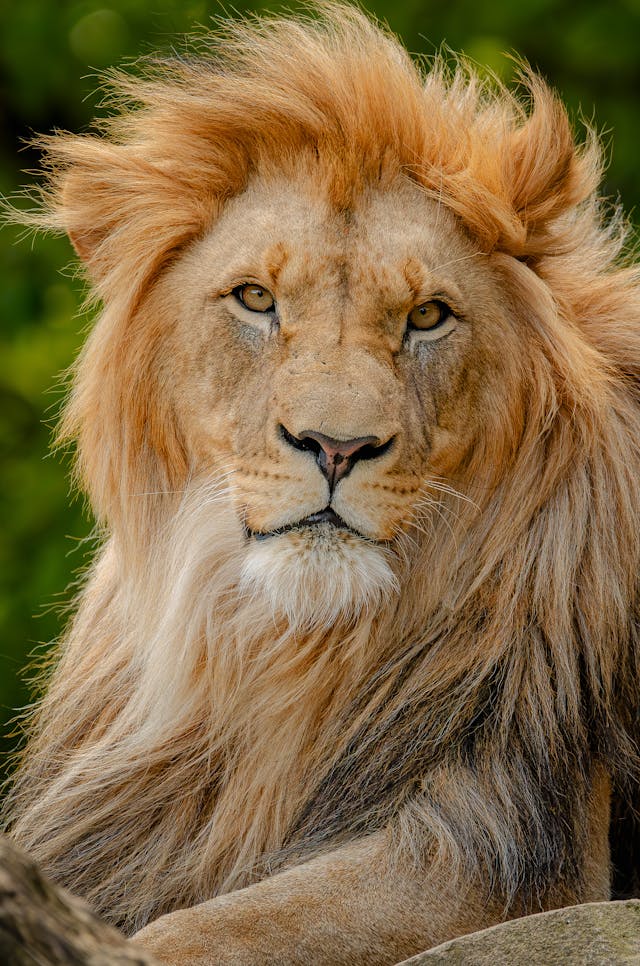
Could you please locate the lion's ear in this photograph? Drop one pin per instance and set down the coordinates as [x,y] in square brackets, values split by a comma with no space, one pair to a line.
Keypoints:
[85,239]
[126,217]
[512,166]
[545,172]
[123,214]
[89,194]
[77,200]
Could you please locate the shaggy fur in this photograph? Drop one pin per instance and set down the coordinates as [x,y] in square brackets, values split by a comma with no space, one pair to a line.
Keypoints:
[215,713]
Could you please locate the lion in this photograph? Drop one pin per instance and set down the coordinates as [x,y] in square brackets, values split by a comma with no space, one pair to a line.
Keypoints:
[356,667]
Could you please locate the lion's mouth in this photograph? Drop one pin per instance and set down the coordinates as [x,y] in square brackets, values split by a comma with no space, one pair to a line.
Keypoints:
[328,516]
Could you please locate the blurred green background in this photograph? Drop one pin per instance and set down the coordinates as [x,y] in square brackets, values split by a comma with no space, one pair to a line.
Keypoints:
[51,53]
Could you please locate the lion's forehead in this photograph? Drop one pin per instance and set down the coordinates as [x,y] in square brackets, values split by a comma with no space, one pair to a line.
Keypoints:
[387,247]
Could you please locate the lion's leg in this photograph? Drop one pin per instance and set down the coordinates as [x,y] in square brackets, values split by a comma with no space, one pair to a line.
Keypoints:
[354,905]
[348,906]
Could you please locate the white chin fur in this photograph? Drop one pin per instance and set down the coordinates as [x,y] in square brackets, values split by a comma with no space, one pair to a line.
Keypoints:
[317,576]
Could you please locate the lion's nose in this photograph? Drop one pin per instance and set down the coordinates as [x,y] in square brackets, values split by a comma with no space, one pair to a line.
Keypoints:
[336,457]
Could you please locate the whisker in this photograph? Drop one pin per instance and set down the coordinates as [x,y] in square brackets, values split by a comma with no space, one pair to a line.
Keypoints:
[447,488]
[455,261]
[427,503]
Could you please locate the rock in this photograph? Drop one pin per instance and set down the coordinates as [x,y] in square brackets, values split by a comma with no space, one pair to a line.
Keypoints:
[593,934]
[41,923]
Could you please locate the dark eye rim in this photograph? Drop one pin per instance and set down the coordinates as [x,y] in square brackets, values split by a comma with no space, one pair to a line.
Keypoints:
[236,292]
[446,312]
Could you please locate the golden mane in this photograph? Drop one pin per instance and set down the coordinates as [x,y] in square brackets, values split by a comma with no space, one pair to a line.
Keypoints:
[254,100]
[172,691]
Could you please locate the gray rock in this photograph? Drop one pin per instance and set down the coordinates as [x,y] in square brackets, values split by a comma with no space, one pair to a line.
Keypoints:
[593,934]
[44,925]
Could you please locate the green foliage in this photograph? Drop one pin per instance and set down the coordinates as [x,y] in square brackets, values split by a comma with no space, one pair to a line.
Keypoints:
[51,55]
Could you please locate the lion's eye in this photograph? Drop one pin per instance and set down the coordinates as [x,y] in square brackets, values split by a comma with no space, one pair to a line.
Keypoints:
[255,298]
[429,315]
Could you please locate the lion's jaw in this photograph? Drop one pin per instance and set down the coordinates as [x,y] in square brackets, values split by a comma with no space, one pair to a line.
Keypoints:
[317,576]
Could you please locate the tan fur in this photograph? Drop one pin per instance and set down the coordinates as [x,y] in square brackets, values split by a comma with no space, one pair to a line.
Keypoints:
[435,688]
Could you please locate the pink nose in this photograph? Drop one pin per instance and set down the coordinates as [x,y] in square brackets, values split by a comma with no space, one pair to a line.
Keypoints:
[336,457]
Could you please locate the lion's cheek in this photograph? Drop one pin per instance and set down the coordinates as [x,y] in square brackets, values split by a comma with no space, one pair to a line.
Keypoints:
[377,508]
[267,500]
[448,452]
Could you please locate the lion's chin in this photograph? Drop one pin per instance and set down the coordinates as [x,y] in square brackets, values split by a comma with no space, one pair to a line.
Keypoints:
[317,576]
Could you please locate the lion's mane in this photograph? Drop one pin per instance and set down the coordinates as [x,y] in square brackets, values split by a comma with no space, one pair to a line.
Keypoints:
[187,744]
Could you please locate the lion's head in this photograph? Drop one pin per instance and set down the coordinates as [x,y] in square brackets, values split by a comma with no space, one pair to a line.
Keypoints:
[319,307]
[359,416]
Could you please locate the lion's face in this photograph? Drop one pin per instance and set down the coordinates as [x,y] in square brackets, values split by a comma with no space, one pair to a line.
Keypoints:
[330,364]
